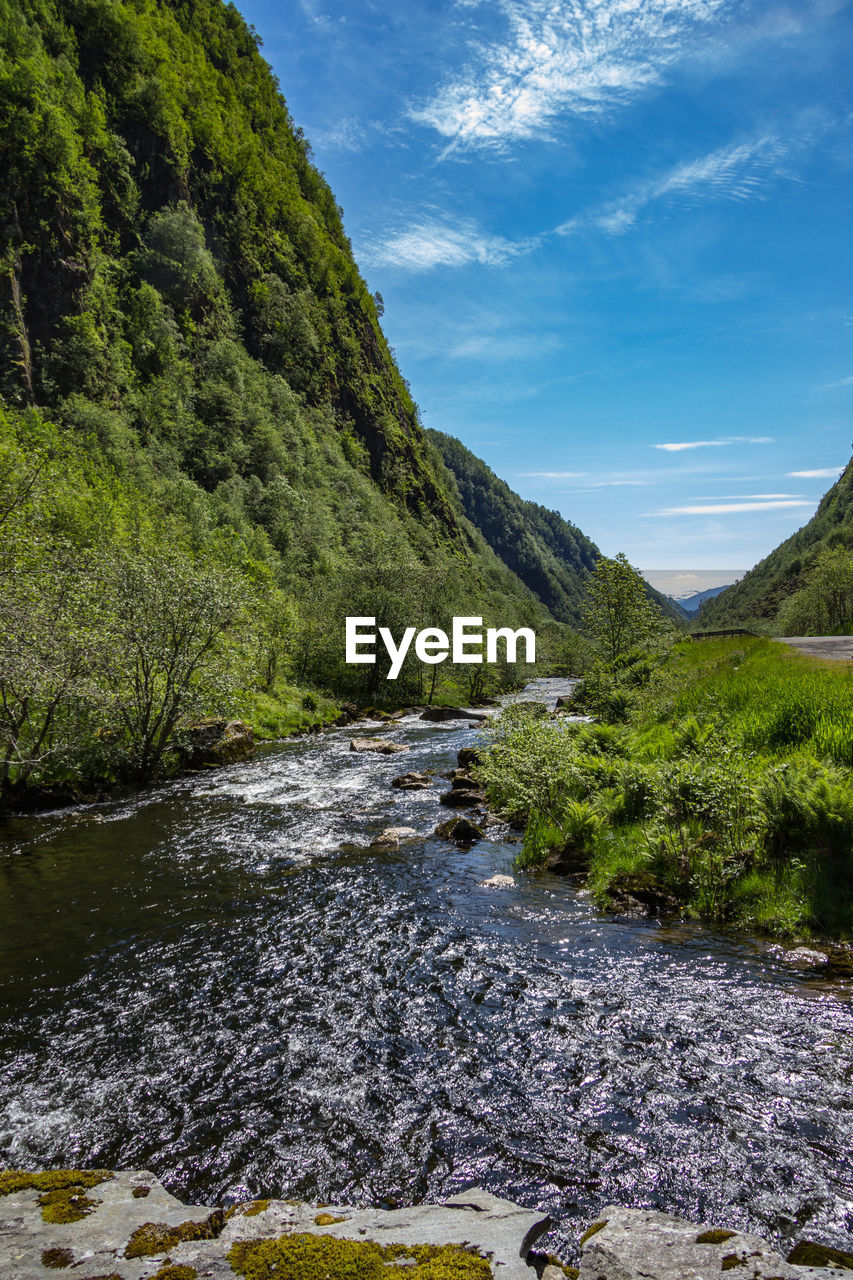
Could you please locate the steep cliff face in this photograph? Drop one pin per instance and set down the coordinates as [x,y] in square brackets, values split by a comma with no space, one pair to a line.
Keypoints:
[178,292]
[172,256]
[761,592]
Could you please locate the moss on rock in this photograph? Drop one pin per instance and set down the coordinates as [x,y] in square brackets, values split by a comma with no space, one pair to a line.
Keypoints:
[12,1180]
[159,1237]
[173,1271]
[327,1220]
[592,1230]
[714,1236]
[809,1254]
[55,1259]
[298,1256]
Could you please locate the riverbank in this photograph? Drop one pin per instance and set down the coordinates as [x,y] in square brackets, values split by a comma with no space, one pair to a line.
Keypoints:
[715,782]
[127,1222]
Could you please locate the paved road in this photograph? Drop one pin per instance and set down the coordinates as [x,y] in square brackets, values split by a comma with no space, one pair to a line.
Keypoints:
[838,648]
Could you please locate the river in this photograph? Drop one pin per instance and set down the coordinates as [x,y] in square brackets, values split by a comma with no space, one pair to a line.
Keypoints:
[200,980]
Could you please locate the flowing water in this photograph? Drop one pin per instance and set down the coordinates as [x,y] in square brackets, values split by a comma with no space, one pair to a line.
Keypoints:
[201,980]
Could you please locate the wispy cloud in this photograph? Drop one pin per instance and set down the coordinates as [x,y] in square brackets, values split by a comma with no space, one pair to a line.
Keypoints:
[840,382]
[551,475]
[432,242]
[561,58]
[680,445]
[737,171]
[822,473]
[726,508]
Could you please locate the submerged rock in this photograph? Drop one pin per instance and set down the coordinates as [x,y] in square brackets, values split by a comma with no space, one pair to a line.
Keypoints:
[476,1235]
[805,955]
[380,746]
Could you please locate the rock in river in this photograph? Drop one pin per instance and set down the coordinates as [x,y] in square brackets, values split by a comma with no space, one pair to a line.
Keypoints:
[439,714]
[381,746]
[461,830]
[389,838]
[411,782]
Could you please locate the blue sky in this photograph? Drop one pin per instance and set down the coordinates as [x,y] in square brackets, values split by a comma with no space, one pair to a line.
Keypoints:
[613,241]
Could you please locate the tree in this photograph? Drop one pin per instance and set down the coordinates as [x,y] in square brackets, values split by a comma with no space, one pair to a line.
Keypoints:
[618,613]
[825,604]
[167,617]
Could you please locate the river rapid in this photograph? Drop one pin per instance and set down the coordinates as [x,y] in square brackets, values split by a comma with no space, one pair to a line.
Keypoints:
[200,980]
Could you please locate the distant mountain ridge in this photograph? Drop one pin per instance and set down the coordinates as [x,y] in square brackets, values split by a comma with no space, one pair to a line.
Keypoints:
[692,602]
[763,589]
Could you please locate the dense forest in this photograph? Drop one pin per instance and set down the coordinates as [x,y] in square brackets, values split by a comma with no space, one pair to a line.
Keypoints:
[208,455]
[805,586]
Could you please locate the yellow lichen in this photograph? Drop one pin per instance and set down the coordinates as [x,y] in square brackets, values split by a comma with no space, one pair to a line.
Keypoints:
[171,1271]
[327,1220]
[299,1256]
[255,1207]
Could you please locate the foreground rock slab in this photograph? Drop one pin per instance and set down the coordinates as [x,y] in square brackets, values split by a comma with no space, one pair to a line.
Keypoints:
[131,1213]
[641,1244]
[381,746]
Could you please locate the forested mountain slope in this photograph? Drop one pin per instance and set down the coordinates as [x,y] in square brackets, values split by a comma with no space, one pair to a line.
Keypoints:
[550,555]
[762,591]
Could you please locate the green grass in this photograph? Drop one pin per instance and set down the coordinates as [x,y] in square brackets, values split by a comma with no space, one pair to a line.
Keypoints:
[285,710]
[729,786]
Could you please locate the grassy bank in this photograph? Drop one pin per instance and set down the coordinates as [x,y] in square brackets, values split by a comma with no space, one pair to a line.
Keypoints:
[717,781]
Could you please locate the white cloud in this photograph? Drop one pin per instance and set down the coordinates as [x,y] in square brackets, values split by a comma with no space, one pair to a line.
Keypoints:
[551,475]
[576,58]
[734,172]
[725,508]
[822,473]
[679,446]
[840,382]
[430,243]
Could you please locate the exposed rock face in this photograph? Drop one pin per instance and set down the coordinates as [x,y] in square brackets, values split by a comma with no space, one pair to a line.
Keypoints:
[130,1236]
[381,746]
[640,1244]
[215,742]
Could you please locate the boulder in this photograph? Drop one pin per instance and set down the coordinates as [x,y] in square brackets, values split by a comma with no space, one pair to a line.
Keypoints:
[563,702]
[643,1244]
[569,861]
[461,798]
[348,713]
[468,757]
[463,782]
[378,746]
[461,830]
[411,782]
[216,742]
[389,838]
[439,714]
[498,882]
